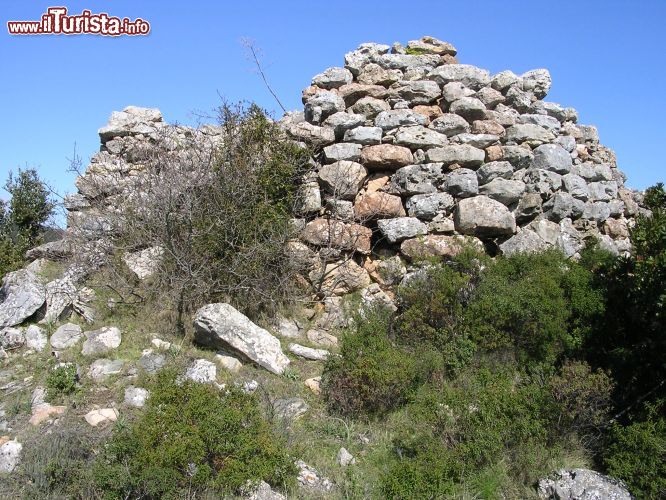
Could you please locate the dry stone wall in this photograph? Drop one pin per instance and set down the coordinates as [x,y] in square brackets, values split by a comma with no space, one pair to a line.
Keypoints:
[415,155]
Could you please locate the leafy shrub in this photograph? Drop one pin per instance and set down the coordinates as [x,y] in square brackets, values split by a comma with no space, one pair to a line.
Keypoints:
[637,455]
[464,428]
[583,399]
[372,375]
[192,436]
[538,305]
[61,381]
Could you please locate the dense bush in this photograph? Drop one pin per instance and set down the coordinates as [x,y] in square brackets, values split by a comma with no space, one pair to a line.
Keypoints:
[372,375]
[61,381]
[637,454]
[22,220]
[193,437]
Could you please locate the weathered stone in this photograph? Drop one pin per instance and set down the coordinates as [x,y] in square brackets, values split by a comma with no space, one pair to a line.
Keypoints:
[21,296]
[503,80]
[469,108]
[309,477]
[461,183]
[151,362]
[386,157]
[493,170]
[468,75]
[541,181]
[406,62]
[35,338]
[332,78]
[322,105]
[321,337]
[312,134]
[202,371]
[582,484]
[145,262]
[418,137]
[503,190]
[10,456]
[390,271]
[395,118]
[489,127]
[528,207]
[136,396]
[450,124]
[417,179]
[602,191]
[129,121]
[364,136]
[547,230]
[101,341]
[597,211]
[552,157]
[562,205]
[340,278]
[528,132]
[229,363]
[427,206]
[370,107]
[343,179]
[378,205]
[342,121]
[525,241]
[453,91]
[101,369]
[430,112]
[66,336]
[309,200]
[417,92]
[518,156]
[223,327]
[374,74]
[430,45]
[616,228]
[364,54]
[398,229]
[345,458]
[102,416]
[483,217]
[545,121]
[436,245]
[337,234]
[12,338]
[309,352]
[481,141]
[576,186]
[537,81]
[462,154]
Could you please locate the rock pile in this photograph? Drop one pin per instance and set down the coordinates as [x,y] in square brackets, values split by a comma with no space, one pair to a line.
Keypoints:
[417,153]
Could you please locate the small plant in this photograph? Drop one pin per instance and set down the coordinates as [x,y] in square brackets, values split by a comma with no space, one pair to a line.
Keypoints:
[61,381]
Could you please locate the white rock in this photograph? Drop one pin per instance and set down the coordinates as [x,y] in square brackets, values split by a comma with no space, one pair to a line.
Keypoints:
[66,336]
[101,416]
[101,341]
[229,362]
[35,338]
[21,296]
[145,262]
[136,396]
[309,352]
[202,371]
[10,456]
[345,458]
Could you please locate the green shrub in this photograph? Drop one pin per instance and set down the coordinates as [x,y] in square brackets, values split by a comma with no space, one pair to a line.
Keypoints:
[372,375]
[193,437]
[538,305]
[461,430]
[61,381]
[637,455]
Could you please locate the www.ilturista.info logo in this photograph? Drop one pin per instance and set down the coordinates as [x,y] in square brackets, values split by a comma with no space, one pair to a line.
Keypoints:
[57,22]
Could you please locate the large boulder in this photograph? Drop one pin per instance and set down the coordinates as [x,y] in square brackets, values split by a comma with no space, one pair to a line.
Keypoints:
[582,484]
[484,217]
[337,234]
[222,327]
[401,228]
[21,296]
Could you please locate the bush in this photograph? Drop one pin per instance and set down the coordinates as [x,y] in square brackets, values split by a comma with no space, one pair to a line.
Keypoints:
[193,437]
[61,381]
[538,305]
[637,455]
[462,430]
[372,375]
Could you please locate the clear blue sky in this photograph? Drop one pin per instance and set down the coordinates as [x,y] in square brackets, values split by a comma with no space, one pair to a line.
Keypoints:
[606,58]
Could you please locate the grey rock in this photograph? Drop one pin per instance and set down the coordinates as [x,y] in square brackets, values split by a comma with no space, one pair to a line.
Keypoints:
[364,54]
[10,456]
[290,408]
[543,182]
[223,327]
[597,211]
[308,477]
[373,297]
[469,108]
[582,484]
[552,157]
[450,124]
[151,362]
[322,105]
[144,263]
[493,170]
[569,241]
[407,62]
[101,369]
[559,206]
[364,135]
[490,97]
[468,75]
[593,172]
[374,74]
[567,142]
[370,107]
[576,186]
[528,132]
[484,217]
[503,190]
[518,156]
[545,121]
[417,179]
[312,134]
[461,183]
[419,137]
[462,154]
[537,81]
[401,228]
[395,118]
[202,371]
[503,80]
[332,78]
[53,250]
[342,121]
[343,179]
[602,191]
[66,336]
[417,92]
[35,338]
[263,491]
[547,230]
[12,338]
[21,296]
[309,353]
[343,151]
[481,141]
[519,99]
[453,91]
[136,396]
[528,207]
[345,458]
[101,341]
[391,270]
[525,241]
[427,206]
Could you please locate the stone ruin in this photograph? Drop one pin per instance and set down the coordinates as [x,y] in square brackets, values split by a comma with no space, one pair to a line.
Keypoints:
[414,156]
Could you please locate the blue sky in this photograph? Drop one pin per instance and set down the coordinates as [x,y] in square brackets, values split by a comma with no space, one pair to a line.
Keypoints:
[606,59]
